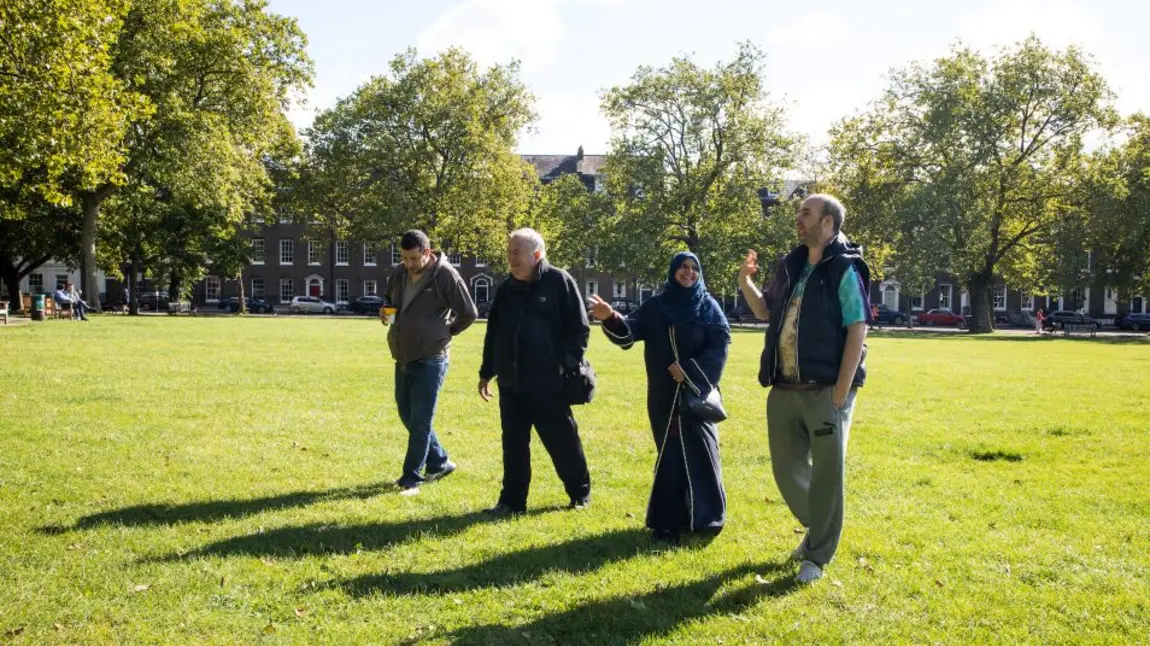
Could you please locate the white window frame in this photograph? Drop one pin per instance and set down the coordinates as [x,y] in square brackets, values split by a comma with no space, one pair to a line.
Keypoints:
[369,252]
[1027,302]
[480,262]
[1110,301]
[487,284]
[290,284]
[212,284]
[921,302]
[1141,300]
[342,285]
[289,253]
[455,258]
[342,250]
[1053,303]
[591,287]
[36,282]
[948,290]
[999,295]
[283,217]
[312,254]
[259,251]
[396,259]
[370,288]
[258,292]
[619,290]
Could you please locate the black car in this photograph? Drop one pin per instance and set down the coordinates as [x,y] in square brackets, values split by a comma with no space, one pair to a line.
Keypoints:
[887,316]
[254,305]
[153,301]
[365,305]
[1058,320]
[483,308]
[1134,321]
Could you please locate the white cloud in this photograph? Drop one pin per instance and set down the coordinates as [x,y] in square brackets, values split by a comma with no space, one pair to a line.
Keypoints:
[814,107]
[567,121]
[827,26]
[1057,23]
[496,31]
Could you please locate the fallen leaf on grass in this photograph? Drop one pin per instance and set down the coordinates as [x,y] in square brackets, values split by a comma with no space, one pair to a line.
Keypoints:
[14,632]
[800,530]
[143,587]
[939,583]
[300,612]
[637,605]
[75,546]
[836,583]
[760,580]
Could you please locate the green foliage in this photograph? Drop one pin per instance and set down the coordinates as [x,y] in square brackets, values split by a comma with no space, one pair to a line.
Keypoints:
[428,146]
[967,162]
[690,146]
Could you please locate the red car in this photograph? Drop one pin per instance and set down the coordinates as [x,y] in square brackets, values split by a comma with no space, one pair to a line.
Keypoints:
[941,317]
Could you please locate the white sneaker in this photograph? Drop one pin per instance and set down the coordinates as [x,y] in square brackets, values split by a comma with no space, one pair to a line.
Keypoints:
[809,572]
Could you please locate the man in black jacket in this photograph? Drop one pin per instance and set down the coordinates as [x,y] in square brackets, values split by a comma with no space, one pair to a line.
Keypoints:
[817,305]
[537,330]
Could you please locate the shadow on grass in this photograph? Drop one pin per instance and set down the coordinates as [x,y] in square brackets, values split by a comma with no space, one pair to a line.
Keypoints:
[633,619]
[575,557]
[211,510]
[321,539]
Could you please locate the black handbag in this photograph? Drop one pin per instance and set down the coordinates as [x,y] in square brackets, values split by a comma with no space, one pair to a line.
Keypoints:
[708,407]
[579,384]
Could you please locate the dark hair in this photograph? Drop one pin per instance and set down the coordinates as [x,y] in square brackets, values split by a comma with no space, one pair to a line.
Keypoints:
[414,239]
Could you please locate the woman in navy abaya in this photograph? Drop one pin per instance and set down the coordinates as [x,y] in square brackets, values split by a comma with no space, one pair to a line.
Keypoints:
[685,336]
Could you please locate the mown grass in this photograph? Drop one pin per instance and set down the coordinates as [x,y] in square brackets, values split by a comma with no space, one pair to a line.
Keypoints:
[224,480]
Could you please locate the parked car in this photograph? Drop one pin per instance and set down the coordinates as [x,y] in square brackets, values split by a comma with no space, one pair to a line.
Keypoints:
[365,305]
[941,317]
[623,307]
[253,305]
[153,301]
[1020,318]
[887,316]
[1133,321]
[311,305]
[484,308]
[1062,318]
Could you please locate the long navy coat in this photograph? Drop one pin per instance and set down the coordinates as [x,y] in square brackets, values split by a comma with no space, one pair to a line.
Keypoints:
[687,493]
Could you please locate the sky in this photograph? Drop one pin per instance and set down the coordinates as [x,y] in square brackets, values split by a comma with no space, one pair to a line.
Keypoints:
[825,60]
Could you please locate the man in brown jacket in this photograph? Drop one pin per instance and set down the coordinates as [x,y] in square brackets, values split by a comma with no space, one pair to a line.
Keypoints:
[433,306]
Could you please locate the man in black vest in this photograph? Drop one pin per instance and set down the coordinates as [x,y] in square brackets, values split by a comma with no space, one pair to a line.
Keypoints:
[814,361]
[537,330]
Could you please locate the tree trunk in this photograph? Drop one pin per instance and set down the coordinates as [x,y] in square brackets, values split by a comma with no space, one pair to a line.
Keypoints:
[981,321]
[91,205]
[133,288]
[174,286]
[12,282]
[240,283]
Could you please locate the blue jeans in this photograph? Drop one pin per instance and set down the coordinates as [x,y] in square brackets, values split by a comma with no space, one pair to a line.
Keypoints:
[417,387]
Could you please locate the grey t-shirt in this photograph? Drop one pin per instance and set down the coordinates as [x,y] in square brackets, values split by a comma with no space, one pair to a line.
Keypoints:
[410,288]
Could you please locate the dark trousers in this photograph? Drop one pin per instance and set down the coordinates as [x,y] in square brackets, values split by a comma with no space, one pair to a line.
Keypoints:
[552,418]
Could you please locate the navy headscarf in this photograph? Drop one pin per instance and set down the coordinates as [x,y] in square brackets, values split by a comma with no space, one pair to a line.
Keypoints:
[680,304]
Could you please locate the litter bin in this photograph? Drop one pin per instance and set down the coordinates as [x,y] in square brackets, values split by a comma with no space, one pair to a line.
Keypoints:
[37,307]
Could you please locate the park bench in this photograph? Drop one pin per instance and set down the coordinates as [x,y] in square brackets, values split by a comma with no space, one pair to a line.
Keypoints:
[1071,329]
[179,307]
[4,311]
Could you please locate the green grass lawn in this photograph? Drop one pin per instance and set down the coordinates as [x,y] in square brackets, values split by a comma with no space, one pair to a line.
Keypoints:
[223,480]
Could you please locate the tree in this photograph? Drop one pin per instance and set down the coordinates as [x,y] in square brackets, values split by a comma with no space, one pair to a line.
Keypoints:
[690,146]
[1118,196]
[42,231]
[62,111]
[217,75]
[429,146]
[967,162]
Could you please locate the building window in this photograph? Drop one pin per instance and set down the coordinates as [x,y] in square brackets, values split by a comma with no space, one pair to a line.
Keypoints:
[257,251]
[890,296]
[370,287]
[342,288]
[257,218]
[916,303]
[211,289]
[287,252]
[61,280]
[284,218]
[1027,302]
[287,290]
[257,288]
[395,257]
[369,250]
[592,287]
[944,296]
[312,252]
[1053,303]
[36,283]
[619,290]
[1000,297]
[1078,299]
[455,258]
[591,258]
[1137,304]
[482,290]
[480,261]
[342,252]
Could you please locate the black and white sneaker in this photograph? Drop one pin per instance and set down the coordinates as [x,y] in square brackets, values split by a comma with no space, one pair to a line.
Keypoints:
[442,472]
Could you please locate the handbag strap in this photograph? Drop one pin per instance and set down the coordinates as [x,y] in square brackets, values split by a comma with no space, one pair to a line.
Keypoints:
[675,350]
